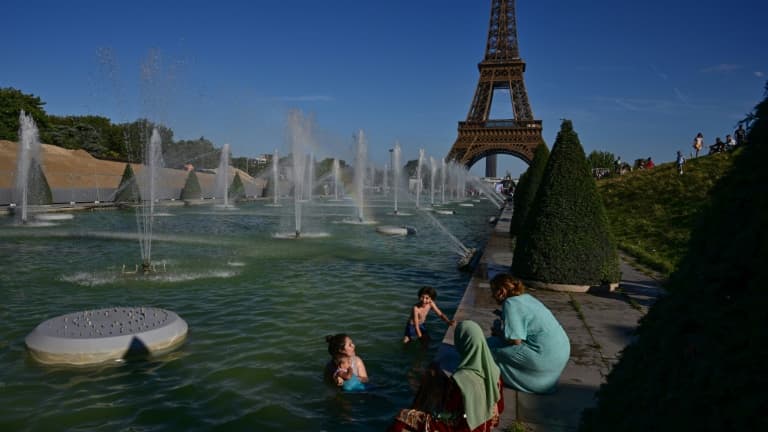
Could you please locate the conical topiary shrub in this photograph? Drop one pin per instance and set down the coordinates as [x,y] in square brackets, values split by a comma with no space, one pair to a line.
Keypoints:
[191,190]
[565,237]
[128,191]
[527,187]
[236,189]
[699,360]
[38,189]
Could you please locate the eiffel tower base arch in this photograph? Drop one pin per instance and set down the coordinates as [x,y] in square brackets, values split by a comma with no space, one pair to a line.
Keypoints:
[477,141]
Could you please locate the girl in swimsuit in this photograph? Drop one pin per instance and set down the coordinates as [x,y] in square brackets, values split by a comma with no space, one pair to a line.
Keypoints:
[342,349]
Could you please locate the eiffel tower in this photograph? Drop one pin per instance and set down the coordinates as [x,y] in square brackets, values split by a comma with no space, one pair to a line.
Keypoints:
[482,137]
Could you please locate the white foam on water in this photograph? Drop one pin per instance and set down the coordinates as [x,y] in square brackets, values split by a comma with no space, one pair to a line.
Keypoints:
[54,217]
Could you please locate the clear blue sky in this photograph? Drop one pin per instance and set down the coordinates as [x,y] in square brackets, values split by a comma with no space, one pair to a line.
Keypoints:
[637,78]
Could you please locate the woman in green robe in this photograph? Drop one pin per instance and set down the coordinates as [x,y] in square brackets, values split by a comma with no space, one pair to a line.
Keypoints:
[529,344]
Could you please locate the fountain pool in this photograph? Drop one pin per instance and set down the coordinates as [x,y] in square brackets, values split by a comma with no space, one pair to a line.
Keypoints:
[258,310]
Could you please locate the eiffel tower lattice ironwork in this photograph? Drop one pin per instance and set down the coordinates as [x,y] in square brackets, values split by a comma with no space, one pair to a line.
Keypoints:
[502,68]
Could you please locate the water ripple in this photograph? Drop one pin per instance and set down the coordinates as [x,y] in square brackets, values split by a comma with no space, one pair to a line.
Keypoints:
[258,311]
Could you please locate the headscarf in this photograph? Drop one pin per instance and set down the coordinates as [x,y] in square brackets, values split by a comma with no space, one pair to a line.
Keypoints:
[477,375]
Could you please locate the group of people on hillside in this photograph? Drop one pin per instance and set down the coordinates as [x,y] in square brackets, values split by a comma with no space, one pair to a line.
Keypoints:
[527,351]
[732,141]
[738,138]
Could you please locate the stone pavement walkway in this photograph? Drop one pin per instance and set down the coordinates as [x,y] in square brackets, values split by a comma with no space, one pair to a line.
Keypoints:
[598,325]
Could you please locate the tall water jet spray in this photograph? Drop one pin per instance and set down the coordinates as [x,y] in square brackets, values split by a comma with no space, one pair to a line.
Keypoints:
[360,172]
[310,175]
[432,175]
[28,156]
[275,178]
[222,175]
[442,181]
[396,171]
[299,140]
[418,178]
[145,213]
[385,180]
[336,179]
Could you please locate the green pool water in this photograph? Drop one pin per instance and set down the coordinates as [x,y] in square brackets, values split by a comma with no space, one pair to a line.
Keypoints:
[258,310]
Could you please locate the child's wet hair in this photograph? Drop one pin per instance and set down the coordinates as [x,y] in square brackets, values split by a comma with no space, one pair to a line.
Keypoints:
[336,343]
[428,290]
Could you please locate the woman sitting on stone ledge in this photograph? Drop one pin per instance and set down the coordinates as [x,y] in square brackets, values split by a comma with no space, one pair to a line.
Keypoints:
[529,344]
[471,400]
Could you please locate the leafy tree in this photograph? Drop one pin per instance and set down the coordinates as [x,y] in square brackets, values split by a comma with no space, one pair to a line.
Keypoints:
[201,153]
[526,189]
[137,134]
[565,236]
[191,190]
[601,159]
[12,101]
[237,189]
[411,167]
[97,135]
[128,191]
[698,362]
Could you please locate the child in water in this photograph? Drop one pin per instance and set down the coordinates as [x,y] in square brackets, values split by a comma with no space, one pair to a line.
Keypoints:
[414,328]
[345,372]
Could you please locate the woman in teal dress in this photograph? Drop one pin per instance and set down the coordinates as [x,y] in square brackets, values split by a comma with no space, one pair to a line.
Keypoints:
[529,345]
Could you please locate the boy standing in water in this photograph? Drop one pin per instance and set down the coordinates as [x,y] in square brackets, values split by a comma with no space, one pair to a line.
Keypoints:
[414,328]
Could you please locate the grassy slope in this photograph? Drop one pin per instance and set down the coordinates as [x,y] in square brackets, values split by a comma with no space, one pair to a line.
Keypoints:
[652,212]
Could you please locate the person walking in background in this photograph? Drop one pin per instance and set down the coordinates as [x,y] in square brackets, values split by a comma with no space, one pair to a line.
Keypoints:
[730,142]
[698,143]
[680,161]
[740,134]
[649,163]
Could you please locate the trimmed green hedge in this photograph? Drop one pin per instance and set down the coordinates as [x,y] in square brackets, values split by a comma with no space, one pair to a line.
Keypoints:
[565,237]
[128,191]
[191,190]
[237,189]
[526,188]
[38,189]
[699,362]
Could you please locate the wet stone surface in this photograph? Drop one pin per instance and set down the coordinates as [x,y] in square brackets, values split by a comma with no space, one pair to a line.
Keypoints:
[117,321]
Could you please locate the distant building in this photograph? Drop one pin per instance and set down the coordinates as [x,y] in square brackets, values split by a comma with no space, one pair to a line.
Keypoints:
[262,160]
